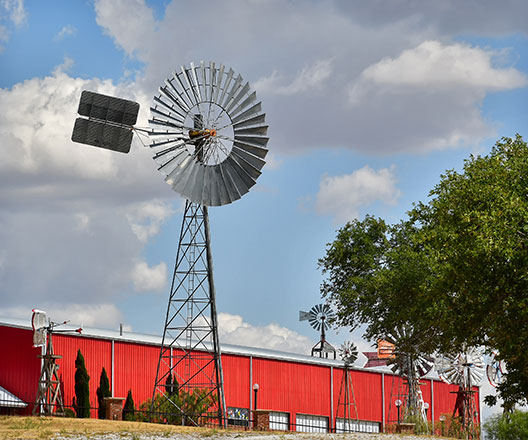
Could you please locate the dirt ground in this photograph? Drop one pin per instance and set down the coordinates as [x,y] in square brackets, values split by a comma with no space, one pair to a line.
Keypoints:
[47,428]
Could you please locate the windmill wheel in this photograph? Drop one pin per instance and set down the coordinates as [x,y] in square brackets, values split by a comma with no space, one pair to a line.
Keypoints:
[318,316]
[348,352]
[208,134]
[495,371]
[466,368]
[407,364]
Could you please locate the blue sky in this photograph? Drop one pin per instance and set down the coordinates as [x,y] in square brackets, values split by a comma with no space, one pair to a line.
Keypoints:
[367,104]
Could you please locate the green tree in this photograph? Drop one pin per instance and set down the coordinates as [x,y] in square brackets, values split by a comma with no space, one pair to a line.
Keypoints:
[455,270]
[129,408]
[82,388]
[103,391]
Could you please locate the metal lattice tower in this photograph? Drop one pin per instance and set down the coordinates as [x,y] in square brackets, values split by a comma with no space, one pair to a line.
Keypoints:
[190,349]
[49,397]
[347,398]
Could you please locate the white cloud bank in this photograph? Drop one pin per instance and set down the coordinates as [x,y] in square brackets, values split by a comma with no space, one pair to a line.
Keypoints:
[233,330]
[74,219]
[343,196]
[103,315]
[381,80]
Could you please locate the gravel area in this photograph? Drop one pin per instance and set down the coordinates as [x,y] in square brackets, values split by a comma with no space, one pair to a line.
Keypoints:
[241,436]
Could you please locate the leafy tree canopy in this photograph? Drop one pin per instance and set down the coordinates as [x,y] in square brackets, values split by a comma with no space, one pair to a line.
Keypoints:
[455,270]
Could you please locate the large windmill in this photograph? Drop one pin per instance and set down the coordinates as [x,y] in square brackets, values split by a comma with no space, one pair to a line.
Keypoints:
[411,365]
[465,369]
[208,137]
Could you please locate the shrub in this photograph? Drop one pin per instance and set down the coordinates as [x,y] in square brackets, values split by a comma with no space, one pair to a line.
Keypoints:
[129,409]
[509,426]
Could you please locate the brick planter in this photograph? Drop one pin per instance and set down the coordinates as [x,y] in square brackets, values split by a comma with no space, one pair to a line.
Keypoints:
[113,408]
[261,420]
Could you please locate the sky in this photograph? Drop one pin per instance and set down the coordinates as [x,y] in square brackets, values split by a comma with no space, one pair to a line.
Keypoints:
[368,103]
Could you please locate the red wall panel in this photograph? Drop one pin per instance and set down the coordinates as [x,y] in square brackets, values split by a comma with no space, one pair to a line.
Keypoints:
[19,364]
[285,386]
[97,354]
[237,386]
[367,392]
[135,369]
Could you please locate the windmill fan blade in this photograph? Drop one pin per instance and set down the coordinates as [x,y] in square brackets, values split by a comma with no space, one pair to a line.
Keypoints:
[227,147]
[424,364]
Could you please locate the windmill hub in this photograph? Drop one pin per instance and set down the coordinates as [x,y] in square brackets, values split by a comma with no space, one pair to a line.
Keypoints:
[203,134]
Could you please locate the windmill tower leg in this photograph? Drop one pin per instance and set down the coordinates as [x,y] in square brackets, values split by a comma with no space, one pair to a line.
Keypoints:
[49,397]
[346,399]
[190,350]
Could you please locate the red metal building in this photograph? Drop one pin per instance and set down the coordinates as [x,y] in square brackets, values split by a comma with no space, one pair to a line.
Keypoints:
[299,390]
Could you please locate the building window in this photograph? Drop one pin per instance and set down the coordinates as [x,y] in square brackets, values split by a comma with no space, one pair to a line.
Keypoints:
[309,423]
[352,425]
[279,421]
[238,416]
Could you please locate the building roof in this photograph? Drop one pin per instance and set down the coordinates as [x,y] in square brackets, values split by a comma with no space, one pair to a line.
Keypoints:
[9,400]
[142,338]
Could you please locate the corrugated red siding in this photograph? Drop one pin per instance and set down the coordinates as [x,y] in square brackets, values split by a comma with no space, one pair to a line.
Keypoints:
[19,364]
[237,387]
[287,386]
[367,392]
[135,369]
[97,354]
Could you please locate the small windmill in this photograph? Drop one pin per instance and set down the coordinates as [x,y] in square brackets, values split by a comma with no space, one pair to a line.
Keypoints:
[347,399]
[465,369]
[49,396]
[319,318]
[409,364]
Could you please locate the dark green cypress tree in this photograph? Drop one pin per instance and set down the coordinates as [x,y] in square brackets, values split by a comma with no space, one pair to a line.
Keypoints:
[82,388]
[172,387]
[129,408]
[102,392]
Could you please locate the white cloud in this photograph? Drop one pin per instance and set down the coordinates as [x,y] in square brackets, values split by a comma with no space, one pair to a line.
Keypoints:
[130,22]
[101,315]
[83,213]
[68,30]
[146,218]
[318,54]
[310,78]
[65,67]
[344,196]
[15,11]
[149,278]
[432,66]
[233,330]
